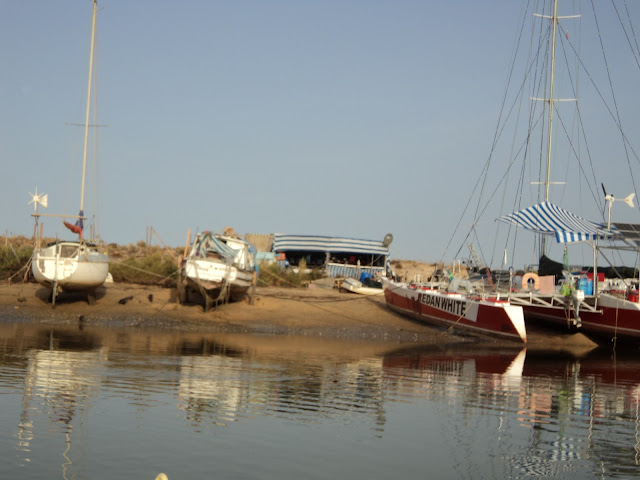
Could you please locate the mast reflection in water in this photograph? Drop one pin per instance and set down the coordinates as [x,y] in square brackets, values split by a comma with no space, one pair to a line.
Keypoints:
[130,403]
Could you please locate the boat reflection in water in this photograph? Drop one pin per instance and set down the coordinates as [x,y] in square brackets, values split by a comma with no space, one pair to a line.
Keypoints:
[153,401]
[566,411]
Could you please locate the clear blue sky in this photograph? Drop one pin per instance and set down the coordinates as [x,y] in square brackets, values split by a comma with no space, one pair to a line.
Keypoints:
[350,118]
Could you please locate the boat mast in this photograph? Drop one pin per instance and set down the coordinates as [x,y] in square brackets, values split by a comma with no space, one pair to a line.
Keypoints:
[551,101]
[554,19]
[86,123]
[547,180]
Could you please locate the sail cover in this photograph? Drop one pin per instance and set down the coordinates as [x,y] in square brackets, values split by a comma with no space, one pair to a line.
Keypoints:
[547,218]
[208,241]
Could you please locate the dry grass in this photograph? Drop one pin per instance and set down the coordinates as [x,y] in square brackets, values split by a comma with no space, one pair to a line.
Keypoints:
[412,270]
[15,253]
[153,265]
[139,263]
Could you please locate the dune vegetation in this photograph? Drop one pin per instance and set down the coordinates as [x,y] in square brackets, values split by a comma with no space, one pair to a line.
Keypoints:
[137,263]
[144,264]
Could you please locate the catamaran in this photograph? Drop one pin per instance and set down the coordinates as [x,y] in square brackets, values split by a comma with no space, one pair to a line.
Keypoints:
[77,265]
[571,298]
[584,299]
[485,315]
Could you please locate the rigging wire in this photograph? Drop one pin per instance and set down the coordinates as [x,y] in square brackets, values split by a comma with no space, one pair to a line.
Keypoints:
[635,51]
[613,96]
[533,59]
[485,170]
[96,214]
[574,129]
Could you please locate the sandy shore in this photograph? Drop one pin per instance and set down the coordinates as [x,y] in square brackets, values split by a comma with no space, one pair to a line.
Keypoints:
[281,312]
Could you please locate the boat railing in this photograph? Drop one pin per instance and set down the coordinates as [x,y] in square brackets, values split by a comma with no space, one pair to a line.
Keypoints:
[530,298]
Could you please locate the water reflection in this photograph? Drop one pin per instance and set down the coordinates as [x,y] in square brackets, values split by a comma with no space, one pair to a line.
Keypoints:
[575,409]
[528,413]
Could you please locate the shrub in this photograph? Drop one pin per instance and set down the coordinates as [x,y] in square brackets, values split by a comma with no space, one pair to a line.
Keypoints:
[275,276]
[12,260]
[154,269]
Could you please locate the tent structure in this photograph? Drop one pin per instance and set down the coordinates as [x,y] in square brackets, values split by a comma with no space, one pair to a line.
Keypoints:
[339,256]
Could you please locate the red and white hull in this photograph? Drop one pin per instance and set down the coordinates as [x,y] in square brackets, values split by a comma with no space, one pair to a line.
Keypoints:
[485,316]
[613,317]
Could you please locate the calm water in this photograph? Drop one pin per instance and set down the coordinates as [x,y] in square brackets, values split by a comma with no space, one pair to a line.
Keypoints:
[92,404]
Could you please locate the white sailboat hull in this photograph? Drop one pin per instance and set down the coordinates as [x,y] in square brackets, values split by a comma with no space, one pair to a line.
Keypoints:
[211,275]
[218,267]
[70,266]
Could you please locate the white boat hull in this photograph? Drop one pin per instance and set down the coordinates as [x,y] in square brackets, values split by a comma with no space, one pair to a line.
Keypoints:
[211,275]
[70,266]
[355,286]
[219,267]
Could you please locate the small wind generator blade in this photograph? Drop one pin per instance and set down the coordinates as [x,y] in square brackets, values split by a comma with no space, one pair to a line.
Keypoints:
[38,199]
[604,189]
[629,199]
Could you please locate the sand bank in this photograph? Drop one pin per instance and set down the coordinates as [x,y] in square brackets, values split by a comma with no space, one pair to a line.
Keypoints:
[284,312]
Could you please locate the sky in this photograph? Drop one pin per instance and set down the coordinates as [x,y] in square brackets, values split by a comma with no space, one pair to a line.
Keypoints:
[351,118]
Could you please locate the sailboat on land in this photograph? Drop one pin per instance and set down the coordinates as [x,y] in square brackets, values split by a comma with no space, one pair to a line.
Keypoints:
[219,267]
[77,265]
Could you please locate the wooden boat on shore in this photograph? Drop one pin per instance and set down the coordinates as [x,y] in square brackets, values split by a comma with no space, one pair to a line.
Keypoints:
[72,265]
[490,315]
[218,267]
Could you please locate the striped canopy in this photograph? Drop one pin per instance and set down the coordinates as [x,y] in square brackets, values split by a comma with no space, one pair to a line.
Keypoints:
[547,218]
[314,243]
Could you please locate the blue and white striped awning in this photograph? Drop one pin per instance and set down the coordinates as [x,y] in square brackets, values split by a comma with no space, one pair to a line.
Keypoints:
[547,218]
[314,243]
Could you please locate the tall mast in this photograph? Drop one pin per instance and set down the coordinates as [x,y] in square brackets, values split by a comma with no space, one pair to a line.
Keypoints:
[554,19]
[551,100]
[86,122]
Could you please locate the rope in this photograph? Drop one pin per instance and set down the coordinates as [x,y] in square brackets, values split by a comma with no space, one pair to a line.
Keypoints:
[450,328]
[120,262]
[24,267]
[316,304]
[279,277]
